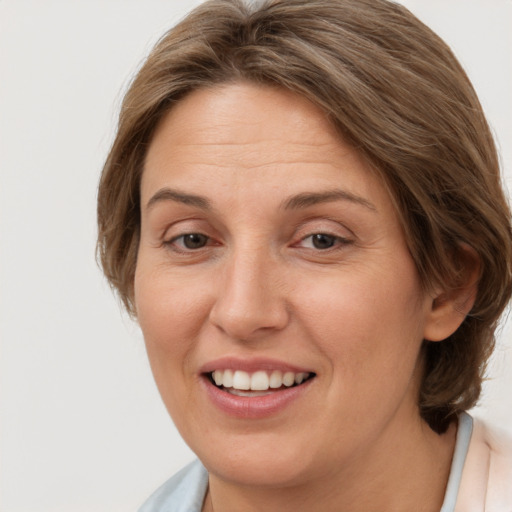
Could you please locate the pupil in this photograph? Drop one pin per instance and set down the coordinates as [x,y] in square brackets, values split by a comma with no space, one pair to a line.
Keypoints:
[322,241]
[194,240]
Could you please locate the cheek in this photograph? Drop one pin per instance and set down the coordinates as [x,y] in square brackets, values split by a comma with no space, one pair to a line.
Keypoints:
[167,310]
[171,317]
[369,322]
[360,300]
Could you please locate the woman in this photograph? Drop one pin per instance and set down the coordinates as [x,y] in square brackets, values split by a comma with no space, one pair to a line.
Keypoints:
[303,210]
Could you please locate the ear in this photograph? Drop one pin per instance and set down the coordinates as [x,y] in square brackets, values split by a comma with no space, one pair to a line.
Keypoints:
[449,306]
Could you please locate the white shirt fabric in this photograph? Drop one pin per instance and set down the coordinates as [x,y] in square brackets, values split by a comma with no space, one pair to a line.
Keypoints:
[486,483]
[184,492]
[480,477]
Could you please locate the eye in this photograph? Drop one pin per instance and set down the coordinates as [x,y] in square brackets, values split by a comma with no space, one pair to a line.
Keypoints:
[190,241]
[322,241]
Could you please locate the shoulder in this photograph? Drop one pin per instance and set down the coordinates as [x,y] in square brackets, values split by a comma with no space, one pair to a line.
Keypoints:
[184,492]
[487,476]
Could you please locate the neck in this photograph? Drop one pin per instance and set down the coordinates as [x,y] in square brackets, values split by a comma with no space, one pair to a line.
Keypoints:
[404,470]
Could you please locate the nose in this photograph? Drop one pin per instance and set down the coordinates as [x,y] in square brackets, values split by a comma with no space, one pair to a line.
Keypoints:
[250,299]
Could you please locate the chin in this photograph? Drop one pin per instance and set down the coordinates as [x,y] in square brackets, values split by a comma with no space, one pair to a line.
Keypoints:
[249,461]
[259,473]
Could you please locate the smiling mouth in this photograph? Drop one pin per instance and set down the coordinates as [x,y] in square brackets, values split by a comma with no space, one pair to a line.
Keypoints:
[259,383]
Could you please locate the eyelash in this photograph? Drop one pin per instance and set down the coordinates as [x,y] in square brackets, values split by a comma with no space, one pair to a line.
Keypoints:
[338,242]
[173,242]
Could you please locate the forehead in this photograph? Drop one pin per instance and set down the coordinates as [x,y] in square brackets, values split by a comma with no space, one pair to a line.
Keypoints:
[246,130]
[245,112]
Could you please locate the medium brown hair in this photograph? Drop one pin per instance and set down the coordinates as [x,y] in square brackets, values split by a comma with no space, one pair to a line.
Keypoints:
[395,91]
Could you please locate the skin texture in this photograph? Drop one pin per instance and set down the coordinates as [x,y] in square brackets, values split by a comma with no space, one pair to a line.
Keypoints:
[354,314]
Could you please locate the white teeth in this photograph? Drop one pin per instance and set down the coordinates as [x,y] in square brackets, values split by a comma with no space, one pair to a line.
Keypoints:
[227,379]
[299,377]
[217,377]
[238,392]
[289,379]
[276,379]
[257,381]
[241,380]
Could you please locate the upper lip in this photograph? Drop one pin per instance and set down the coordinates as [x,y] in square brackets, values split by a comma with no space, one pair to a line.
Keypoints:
[251,365]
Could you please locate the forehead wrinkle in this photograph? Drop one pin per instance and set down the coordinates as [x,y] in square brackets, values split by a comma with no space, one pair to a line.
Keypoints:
[242,165]
[250,140]
[248,154]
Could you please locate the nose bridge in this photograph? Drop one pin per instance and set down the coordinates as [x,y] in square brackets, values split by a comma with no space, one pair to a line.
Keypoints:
[250,297]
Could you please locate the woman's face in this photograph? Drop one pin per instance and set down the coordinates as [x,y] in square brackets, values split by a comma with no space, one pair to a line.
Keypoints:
[270,252]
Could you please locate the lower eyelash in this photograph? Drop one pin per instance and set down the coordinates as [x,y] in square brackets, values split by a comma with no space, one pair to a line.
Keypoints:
[337,241]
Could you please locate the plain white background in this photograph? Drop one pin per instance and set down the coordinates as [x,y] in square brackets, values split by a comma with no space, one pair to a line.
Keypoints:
[82,425]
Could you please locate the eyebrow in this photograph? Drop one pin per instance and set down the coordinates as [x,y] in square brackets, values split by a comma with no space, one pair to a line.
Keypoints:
[167,194]
[295,202]
[312,198]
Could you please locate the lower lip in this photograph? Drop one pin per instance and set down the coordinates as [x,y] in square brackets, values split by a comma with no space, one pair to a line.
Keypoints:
[256,406]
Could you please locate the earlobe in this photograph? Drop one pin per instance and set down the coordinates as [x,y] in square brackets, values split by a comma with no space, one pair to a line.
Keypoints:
[449,307]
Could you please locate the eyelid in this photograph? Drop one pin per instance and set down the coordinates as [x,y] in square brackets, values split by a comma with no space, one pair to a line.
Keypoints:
[333,228]
[324,225]
[173,235]
[172,243]
[340,241]
[183,235]
[172,221]
[185,226]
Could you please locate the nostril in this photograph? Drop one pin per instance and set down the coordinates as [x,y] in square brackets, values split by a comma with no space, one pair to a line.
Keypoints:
[244,324]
